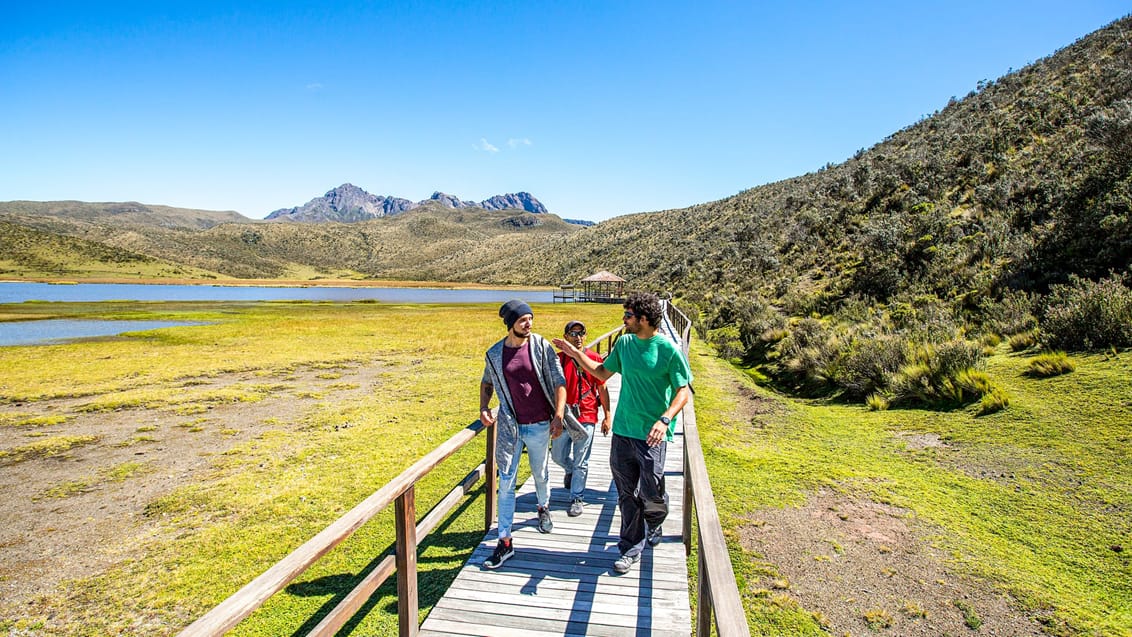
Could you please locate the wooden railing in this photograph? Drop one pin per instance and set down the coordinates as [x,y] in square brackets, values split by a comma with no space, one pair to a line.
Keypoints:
[717,594]
[401,491]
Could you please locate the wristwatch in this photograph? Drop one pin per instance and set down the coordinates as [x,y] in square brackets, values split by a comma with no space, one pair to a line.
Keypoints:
[666,420]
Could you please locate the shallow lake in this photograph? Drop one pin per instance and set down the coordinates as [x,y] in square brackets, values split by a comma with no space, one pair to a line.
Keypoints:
[57,330]
[18,292]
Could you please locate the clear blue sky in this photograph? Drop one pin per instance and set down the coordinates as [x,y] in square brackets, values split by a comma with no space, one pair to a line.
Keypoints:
[597,108]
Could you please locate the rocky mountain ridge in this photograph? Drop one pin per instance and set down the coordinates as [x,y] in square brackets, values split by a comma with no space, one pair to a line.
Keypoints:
[349,204]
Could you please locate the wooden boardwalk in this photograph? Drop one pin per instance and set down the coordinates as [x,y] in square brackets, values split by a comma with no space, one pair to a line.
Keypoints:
[563,583]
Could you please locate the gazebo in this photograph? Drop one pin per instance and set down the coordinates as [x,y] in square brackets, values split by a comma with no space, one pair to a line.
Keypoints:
[603,287]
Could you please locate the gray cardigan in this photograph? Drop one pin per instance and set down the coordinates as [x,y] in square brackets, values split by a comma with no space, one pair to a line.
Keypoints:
[550,377]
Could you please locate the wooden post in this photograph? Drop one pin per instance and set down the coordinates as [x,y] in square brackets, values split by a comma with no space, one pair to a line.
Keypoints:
[703,596]
[407,606]
[491,480]
[689,504]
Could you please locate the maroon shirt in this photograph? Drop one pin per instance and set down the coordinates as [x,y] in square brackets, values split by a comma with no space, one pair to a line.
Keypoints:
[522,382]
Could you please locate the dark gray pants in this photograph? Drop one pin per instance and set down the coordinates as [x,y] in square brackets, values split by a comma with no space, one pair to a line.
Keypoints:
[638,472]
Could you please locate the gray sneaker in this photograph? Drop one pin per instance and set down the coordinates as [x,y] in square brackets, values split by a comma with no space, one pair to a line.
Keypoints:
[653,536]
[625,563]
[545,524]
[575,508]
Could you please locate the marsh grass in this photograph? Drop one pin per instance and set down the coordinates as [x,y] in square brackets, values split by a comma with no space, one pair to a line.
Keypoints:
[267,496]
[30,420]
[48,447]
[1031,498]
[117,473]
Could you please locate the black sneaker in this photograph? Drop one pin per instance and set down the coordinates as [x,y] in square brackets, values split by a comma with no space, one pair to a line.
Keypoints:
[545,524]
[653,536]
[567,479]
[503,552]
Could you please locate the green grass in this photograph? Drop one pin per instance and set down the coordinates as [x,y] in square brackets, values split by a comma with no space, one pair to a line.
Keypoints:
[269,495]
[1045,533]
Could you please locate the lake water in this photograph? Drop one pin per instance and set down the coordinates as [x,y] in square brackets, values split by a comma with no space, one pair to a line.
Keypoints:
[18,292]
[58,330]
[55,330]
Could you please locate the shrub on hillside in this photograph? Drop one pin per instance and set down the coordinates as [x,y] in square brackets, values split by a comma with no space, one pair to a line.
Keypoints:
[726,341]
[1023,341]
[1086,315]
[1011,314]
[807,357]
[940,375]
[868,364]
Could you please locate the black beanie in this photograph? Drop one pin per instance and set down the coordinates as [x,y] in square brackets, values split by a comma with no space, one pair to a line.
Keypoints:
[513,310]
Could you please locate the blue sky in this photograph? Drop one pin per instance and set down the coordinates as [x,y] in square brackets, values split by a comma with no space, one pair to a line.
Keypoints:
[598,109]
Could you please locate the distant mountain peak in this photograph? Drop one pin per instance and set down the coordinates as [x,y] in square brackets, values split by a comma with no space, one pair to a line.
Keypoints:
[348,204]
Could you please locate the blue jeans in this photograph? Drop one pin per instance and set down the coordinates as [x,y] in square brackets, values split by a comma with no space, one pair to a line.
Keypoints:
[536,438]
[579,464]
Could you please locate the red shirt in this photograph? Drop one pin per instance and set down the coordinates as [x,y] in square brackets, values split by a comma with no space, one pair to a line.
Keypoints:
[581,388]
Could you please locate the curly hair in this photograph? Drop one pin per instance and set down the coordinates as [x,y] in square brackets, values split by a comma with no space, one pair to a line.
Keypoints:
[645,304]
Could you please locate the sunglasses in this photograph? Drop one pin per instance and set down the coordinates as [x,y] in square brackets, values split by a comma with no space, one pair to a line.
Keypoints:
[629,314]
[575,333]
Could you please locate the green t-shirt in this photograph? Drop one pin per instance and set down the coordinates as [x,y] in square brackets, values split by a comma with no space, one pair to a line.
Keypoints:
[651,373]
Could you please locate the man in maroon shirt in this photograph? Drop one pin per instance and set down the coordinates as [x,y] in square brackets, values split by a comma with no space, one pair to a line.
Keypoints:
[524,372]
[583,395]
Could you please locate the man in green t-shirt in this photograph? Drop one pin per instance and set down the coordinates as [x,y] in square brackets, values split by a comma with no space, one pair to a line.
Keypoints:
[655,380]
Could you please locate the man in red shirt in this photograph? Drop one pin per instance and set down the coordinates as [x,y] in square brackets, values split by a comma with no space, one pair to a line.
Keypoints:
[583,395]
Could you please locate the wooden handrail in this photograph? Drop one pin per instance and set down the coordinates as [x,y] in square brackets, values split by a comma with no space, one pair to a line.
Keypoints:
[717,592]
[400,491]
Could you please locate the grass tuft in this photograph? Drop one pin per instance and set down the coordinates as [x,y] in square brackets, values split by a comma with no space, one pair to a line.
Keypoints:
[1049,364]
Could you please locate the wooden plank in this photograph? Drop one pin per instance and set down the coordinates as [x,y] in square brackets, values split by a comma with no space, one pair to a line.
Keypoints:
[491,624]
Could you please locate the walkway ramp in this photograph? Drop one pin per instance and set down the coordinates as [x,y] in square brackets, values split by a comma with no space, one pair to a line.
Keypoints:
[563,583]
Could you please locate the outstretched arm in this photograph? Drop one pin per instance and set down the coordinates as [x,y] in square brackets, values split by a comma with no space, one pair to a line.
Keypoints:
[596,369]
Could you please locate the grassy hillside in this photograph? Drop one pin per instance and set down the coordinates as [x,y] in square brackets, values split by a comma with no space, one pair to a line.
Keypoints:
[411,246]
[130,212]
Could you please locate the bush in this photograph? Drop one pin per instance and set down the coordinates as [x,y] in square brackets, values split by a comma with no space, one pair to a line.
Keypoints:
[1050,364]
[808,357]
[940,375]
[868,365]
[1023,341]
[1088,315]
[726,341]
